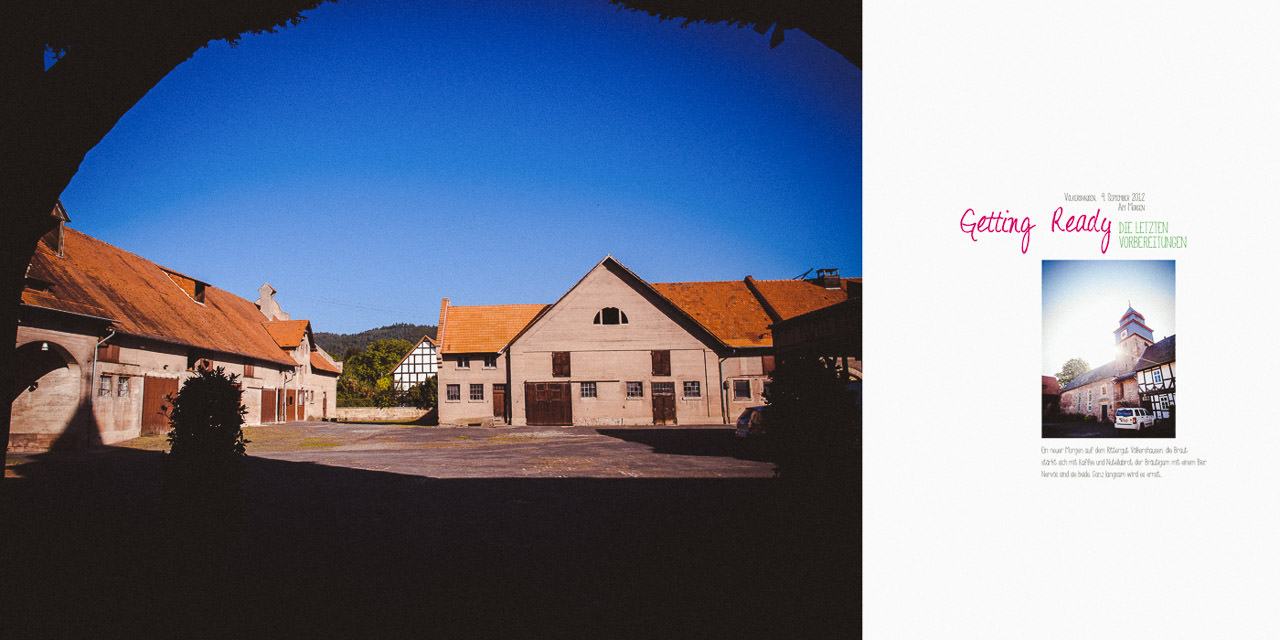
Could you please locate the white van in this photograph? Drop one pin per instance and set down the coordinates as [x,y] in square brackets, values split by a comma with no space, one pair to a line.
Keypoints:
[1134,418]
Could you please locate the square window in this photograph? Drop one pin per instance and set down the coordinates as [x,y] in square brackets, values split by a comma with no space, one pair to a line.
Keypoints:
[122,387]
[692,389]
[464,363]
[452,392]
[635,389]
[491,362]
[588,389]
[741,389]
[477,392]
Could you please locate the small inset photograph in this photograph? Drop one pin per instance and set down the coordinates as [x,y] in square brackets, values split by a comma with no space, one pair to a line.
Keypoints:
[1108,366]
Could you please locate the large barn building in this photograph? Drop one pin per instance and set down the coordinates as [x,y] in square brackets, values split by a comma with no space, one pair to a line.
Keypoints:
[617,350]
[104,335]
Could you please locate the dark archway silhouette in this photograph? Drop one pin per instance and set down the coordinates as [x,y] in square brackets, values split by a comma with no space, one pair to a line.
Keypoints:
[49,386]
[111,55]
[35,360]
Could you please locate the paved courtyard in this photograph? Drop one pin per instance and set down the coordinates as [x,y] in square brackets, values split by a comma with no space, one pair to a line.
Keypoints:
[388,530]
[509,452]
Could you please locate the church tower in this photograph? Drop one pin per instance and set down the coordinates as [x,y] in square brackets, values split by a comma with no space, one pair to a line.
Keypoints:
[1133,336]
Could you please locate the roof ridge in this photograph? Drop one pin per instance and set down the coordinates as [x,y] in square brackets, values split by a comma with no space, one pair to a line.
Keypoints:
[490,306]
[147,260]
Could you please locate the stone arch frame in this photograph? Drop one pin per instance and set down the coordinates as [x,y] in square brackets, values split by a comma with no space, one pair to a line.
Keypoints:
[47,394]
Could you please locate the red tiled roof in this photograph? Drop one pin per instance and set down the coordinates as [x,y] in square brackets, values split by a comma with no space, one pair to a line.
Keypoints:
[791,298]
[287,333]
[727,309]
[733,313]
[318,363]
[98,279]
[484,328]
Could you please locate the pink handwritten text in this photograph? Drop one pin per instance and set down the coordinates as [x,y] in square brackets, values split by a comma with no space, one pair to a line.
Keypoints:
[1095,223]
[997,223]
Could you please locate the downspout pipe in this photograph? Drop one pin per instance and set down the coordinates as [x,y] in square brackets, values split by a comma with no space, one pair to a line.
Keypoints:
[93,380]
[724,398]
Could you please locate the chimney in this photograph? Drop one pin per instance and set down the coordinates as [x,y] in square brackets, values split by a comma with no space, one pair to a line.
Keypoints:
[267,303]
[58,220]
[828,278]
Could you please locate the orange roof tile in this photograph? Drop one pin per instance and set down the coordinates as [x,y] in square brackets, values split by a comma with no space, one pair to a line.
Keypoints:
[733,313]
[287,333]
[791,298]
[318,363]
[727,309]
[484,328]
[98,279]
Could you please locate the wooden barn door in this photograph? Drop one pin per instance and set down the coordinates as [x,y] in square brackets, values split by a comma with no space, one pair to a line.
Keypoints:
[664,403]
[268,406]
[500,401]
[291,405]
[548,403]
[155,417]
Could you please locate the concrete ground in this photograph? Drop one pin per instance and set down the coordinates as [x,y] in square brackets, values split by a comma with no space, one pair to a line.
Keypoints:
[511,452]
[384,530]
[1164,429]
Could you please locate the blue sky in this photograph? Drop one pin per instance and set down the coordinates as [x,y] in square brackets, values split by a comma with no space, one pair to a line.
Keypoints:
[383,155]
[1083,301]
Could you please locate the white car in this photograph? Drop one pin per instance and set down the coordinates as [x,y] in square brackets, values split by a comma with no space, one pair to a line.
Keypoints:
[1134,418]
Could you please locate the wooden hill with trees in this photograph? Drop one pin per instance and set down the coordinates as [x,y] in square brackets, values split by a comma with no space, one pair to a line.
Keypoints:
[343,345]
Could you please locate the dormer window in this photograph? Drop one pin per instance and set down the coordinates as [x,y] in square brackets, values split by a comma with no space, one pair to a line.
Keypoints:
[610,315]
[190,286]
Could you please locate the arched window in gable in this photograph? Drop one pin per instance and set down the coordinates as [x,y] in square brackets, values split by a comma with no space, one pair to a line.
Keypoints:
[610,315]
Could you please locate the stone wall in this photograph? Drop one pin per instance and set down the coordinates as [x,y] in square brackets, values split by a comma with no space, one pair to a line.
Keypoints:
[379,414]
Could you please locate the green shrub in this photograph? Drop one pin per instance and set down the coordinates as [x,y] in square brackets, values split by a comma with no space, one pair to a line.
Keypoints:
[206,442]
[422,395]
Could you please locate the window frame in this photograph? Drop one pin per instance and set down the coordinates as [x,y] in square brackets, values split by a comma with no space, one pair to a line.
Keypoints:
[697,389]
[453,393]
[661,361]
[477,389]
[588,390]
[637,387]
[605,314]
[561,364]
[736,387]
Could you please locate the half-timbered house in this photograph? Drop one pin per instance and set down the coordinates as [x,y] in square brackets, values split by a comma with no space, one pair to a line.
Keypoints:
[1156,374]
[615,349]
[417,366]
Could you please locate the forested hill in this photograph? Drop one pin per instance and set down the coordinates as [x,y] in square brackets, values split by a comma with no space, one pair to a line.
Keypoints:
[337,344]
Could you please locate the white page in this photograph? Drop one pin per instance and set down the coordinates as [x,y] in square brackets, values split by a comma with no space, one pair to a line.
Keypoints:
[1007,106]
